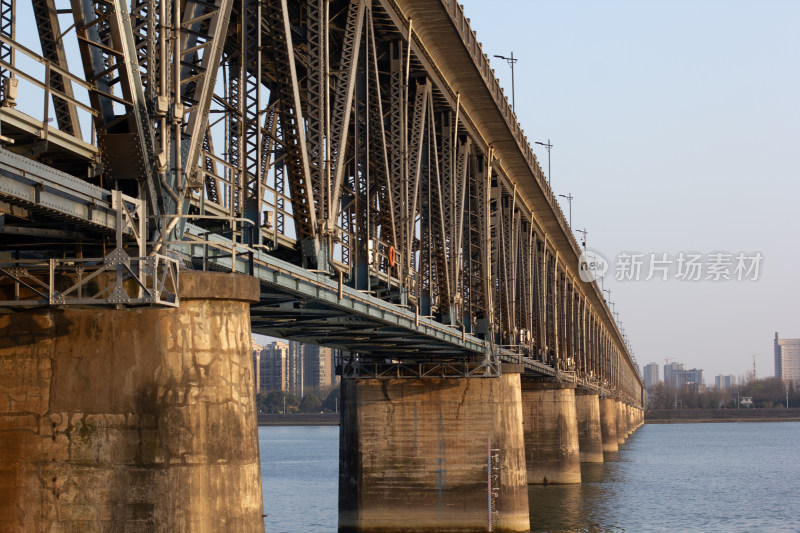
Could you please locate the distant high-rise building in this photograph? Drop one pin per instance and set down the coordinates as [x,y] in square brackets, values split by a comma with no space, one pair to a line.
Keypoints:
[787,359]
[292,367]
[257,350]
[651,375]
[318,362]
[725,382]
[270,366]
[676,377]
[694,378]
[672,380]
[295,368]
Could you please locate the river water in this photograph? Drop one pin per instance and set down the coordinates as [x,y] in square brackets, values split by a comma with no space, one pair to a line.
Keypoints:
[728,477]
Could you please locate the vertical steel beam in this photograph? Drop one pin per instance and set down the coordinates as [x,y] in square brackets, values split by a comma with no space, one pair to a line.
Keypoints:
[50,38]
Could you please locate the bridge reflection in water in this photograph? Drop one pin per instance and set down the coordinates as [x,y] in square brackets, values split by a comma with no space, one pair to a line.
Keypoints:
[177,175]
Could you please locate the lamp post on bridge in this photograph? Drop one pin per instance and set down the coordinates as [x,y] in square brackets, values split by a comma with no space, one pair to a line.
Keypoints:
[569,198]
[584,232]
[547,145]
[511,60]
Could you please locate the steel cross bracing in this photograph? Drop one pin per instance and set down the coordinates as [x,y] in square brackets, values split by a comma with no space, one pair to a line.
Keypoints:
[358,156]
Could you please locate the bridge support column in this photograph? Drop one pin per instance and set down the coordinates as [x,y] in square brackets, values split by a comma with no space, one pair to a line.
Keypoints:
[622,423]
[132,419]
[631,420]
[433,455]
[608,424]
[550,422]
[590,438]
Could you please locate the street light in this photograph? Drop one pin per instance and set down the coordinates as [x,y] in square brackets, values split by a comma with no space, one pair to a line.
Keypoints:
[584,236]
[547,145]
[569,198]
[511,60]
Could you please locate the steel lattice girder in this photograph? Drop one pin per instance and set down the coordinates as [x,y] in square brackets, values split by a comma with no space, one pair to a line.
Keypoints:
[366,148]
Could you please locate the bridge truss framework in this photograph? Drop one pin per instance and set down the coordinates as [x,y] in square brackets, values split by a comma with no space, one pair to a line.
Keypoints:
[358,156]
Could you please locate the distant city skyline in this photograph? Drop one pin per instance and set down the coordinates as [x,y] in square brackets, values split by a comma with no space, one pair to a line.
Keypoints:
[669,145]
[291,366]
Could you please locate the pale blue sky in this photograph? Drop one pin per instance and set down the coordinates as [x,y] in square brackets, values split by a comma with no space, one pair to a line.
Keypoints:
[676,127]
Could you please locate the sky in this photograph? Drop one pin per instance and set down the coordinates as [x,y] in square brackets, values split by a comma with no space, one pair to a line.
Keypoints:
[676,128]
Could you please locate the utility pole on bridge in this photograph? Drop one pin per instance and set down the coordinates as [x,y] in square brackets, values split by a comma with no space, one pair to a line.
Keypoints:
[547,145]
[569,198]
[511,60]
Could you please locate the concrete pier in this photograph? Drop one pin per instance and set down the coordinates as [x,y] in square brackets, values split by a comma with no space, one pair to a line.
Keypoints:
[433,455]
[590,437]
[631,419]
[133,419]
[608,424]
[622,423]
[550,423]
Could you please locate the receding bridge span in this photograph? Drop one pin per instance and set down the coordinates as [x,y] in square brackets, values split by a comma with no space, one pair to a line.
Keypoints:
[177,174]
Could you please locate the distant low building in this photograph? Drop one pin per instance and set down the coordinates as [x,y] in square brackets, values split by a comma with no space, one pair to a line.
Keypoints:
[787,359]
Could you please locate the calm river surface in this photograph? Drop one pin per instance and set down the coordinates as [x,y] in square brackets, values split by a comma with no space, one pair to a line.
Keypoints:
[730,477]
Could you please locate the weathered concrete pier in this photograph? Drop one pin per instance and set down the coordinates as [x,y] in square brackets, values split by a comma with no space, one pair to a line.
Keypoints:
[433,455]
[608,424]
[590,435]
[622,422]
[134,419]
[550,423]
[460,452]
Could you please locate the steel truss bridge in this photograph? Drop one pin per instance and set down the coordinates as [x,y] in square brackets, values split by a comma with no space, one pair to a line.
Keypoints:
[358,156]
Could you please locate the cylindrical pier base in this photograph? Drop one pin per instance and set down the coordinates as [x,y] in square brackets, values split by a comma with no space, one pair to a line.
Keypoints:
[631,419]
[608,424]
[432,455]
[590,438]
[550,423]
[134,419]
[622,423]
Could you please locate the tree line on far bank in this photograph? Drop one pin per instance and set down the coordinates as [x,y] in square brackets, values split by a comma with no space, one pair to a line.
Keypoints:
[765,393]
[314,401]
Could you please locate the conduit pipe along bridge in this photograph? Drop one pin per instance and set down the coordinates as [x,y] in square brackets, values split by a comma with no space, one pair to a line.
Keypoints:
[358,158]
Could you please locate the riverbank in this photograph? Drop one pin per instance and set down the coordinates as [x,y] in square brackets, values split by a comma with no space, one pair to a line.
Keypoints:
[299,419]
[690,416]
